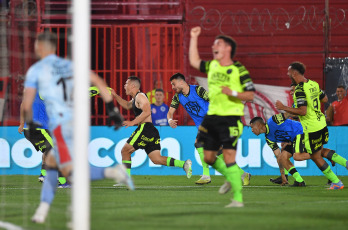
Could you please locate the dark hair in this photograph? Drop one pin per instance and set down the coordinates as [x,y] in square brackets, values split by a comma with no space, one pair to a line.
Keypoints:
[48,37]
[229,40]
[159,90]
[134,78]
[177,76]
[257,119]
[298,66]
[293,84]
[341,86]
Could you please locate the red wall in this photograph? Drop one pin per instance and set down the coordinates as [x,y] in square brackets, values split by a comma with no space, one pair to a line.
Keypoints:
[265,45]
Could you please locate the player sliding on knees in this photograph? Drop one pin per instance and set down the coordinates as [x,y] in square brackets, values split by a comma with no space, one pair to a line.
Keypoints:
[146,136]
[280,129]
[52,77]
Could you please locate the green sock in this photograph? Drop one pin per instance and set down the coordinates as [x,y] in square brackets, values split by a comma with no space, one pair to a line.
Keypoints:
[339,160]
[128,165]
[241,171]
[43,172]
[176,163]
[62,180]
[233,176]
[286,172]
[220,165]
[331,175]
[204,165]
[295,174]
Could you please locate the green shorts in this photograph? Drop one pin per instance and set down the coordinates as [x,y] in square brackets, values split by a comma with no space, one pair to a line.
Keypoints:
[311,142]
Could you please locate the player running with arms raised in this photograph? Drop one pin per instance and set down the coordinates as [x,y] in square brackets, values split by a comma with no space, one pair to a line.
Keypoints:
[229,84]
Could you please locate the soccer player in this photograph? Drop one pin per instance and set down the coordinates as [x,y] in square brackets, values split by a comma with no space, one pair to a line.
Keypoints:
[307,98]
[280,129]
[41,138]
[159,109]
[52,77]
[146,136]
[195,100]
[229,84]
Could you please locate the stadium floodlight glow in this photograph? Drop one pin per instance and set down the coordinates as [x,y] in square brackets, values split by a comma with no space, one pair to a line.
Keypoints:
[81,59]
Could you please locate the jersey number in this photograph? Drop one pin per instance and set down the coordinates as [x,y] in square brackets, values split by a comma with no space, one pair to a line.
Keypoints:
[316,104]
[62,81]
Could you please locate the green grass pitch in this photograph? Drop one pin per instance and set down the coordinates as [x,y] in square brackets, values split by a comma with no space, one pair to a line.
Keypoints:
[175,202]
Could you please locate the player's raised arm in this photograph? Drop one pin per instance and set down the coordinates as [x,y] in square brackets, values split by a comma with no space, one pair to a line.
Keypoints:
[194,58]
[112,111]
[125,104]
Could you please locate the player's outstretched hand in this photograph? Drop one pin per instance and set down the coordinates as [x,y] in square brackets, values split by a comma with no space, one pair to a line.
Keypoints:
[195,31]
[115,118]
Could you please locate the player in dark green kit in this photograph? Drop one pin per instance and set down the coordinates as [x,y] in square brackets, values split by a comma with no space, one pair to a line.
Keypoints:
[307,98]
[229,84]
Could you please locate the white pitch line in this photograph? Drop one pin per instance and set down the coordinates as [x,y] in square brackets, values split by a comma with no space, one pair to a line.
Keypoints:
[199,186]
[9,226]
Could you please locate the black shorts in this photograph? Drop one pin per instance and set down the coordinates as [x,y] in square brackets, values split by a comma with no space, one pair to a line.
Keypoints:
[220,130]
[146,137]
[289,148]
[311,142]
[41,140]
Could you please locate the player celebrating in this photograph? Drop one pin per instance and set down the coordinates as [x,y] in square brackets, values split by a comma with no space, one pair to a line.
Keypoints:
[146,136]
[195,101]
[229,84]
[307,100]
[52,77]
[280,129]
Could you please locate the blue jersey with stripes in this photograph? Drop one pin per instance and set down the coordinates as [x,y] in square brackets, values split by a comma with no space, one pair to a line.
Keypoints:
[52,77]
[195,105]
[39,112]
[279,129]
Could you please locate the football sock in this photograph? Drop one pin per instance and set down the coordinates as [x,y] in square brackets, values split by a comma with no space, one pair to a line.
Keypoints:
[43,172]
[61,179]
[128,165]
[176,163]
[204,165]
[96,173]
[220,165]
[295,174]
[336,158]
[233,176]
[286,172]
[328,173]
[49,186]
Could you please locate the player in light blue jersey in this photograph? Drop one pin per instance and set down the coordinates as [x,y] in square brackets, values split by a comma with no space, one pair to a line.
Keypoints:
[195,101]
[52,77]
